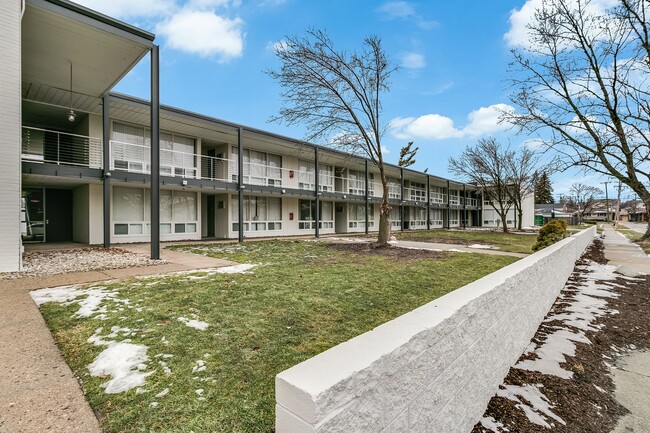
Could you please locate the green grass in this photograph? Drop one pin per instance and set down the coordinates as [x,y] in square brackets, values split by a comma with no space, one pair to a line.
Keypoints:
[516,243]
[304,298]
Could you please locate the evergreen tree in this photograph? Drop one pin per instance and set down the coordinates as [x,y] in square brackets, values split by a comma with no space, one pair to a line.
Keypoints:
[543,189]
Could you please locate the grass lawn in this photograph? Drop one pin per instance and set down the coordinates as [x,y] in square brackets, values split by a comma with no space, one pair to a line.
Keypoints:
[516,243]
[303,298]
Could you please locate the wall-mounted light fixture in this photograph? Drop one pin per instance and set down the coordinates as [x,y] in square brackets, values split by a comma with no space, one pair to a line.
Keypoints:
[184,182]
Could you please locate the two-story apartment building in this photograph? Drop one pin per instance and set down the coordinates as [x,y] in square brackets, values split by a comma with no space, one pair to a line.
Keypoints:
[79,163]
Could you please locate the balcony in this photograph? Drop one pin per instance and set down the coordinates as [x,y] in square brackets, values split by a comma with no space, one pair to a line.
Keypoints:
[136,158]
[53,147]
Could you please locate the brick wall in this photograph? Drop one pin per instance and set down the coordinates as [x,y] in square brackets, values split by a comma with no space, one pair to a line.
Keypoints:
[435,368]
[10,121]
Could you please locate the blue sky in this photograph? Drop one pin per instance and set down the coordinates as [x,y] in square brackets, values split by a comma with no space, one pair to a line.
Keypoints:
[453,58]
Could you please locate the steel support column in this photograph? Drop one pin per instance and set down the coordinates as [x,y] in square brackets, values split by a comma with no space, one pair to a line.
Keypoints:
[401,195]
[155,153]
[367,197]
[317,192]
[106,165]
[428,202]
[240,182]
[464,206]
[447,225]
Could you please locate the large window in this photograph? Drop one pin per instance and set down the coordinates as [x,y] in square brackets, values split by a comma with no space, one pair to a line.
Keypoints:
[260,214]
[130,150]
[453,217]
[308,215]
[131,212]
[437,195]
[357,215]
[306,170]
[395,220]
[435,216]
[357,182]
[454,197]
[418,191]
[394,188]
[260,168]
[418,218]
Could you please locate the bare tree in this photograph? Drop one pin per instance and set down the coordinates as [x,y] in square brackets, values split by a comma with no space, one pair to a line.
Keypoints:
[522,177]
[486,166]
[583,196]
[582,84]
[337,96]
[407,155]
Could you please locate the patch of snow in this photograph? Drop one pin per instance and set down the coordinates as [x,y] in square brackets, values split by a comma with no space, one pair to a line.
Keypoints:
[200,366]
[199,391]
[120,361]
[67,295]
[153,404]
[482,247]
[534,404]
[237,269]
[493,425]
[553,352]
[192,323]
[162,393]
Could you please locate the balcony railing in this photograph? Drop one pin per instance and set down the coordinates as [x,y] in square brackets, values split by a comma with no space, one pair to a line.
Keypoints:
[43,145]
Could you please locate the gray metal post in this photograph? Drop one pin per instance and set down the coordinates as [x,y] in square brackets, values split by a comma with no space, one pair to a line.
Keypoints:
[240,182]
[155,153]
[367,197]
[447,225]
[316,192]
[401,196]
[464,206]
[428,202]
[106,164]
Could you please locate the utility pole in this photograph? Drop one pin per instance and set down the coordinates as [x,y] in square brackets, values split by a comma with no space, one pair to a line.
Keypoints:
[618,205]
[606,202]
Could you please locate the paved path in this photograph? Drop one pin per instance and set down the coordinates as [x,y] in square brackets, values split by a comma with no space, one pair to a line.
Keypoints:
[454,247]
[38,392]
[632,377]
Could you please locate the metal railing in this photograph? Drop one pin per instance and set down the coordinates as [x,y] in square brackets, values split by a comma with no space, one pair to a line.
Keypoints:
[136,158]
[43,145]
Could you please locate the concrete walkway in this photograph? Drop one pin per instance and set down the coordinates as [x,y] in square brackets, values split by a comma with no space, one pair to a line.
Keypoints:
[432,246]
[632,376]
[637,227]
[38,391]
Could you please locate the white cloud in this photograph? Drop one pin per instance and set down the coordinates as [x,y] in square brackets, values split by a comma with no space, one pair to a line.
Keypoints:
[130,8]
[403,10]
[413,61]
[517,35]
[204,33]
[483,121]
[533,144]
[277,46]
[211,4]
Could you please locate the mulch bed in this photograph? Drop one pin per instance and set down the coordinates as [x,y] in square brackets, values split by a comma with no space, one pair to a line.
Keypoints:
[395,253]
[578,401]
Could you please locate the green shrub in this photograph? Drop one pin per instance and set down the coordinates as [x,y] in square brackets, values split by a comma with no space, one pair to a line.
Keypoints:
[552,232]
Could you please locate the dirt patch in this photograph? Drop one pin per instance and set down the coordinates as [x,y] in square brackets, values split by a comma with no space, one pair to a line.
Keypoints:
[392,252]
[586,401]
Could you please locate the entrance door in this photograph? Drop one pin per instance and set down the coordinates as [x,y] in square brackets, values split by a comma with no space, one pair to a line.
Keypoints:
[211,215]
[58,215]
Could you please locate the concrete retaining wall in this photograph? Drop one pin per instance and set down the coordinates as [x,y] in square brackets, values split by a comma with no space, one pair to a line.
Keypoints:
[435,368]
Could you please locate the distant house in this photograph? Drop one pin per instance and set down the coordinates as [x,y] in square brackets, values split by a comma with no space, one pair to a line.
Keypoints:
[634,211]
[546,212]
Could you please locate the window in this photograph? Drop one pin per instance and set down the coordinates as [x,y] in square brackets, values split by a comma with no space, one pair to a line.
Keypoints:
[260,213]
[453,217]
[435,216]
[395,220]
[454,198]
[357,182]
[394,189]
[418,192]
[308,212]
[357,215]
[419,218]
[259,168]
[131,151]
[437,195]
[306,179]
[131,211]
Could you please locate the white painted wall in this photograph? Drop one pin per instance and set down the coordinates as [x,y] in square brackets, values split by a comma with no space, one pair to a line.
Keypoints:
[435,368]
[10,136]
[81,214]
[96,214]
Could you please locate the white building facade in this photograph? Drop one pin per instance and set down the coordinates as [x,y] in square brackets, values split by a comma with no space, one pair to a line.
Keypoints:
[87,177]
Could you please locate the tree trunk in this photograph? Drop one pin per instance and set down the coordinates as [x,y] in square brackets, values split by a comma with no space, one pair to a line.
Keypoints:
[384,212]
[504,220]
[521,216]
[646,201]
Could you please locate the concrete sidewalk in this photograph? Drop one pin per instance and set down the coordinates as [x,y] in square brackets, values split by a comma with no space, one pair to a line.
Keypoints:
[632,376]
[432,246]
[38,391]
